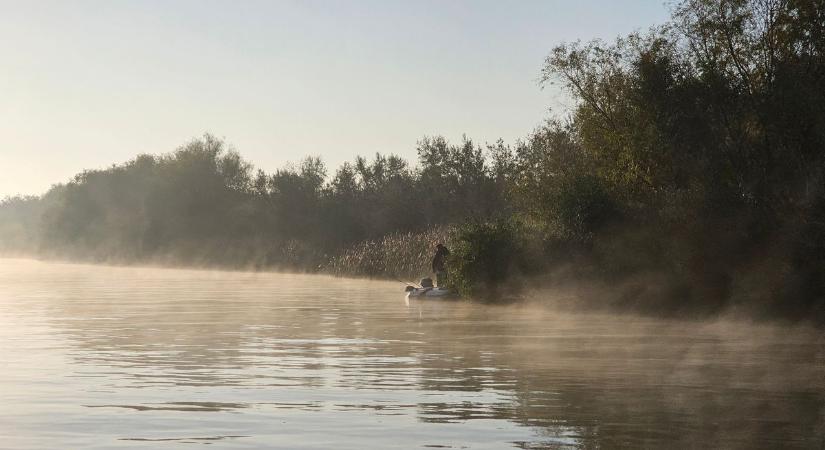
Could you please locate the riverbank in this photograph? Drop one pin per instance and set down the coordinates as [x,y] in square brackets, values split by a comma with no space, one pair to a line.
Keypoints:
[571,284]
[395,256]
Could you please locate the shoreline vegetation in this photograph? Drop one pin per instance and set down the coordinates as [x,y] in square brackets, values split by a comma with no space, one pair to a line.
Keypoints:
[688,179]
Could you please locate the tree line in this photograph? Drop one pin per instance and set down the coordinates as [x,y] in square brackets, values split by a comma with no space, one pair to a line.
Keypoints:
[690,173]
[204,202]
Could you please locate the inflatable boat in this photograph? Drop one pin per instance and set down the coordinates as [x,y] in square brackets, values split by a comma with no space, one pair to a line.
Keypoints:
[428,292]
[426,289]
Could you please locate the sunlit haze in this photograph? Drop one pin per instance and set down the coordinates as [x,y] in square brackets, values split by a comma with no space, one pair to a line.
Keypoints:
[88,84]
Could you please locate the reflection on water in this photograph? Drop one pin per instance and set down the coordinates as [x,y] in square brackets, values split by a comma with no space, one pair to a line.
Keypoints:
[145,358]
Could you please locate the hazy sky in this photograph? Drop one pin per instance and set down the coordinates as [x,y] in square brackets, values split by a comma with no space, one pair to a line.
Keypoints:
[85,84]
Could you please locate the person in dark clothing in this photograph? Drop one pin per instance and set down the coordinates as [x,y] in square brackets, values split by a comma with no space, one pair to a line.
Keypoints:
[440,265]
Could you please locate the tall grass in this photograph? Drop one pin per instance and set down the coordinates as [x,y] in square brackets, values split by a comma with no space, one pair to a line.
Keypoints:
[404,256]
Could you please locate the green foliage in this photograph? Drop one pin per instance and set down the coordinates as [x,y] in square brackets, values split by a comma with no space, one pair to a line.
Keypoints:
[457,182]
[706,134]
[490,259]
[18,223]
[204,204]
[584,207]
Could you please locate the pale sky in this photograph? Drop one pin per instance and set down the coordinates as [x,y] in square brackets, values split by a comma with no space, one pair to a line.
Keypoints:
[85,84]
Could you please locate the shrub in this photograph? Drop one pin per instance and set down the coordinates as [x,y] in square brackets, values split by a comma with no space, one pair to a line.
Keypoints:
[584,207]
[489,259]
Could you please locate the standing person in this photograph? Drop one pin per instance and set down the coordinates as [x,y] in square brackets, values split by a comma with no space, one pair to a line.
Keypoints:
[440,265]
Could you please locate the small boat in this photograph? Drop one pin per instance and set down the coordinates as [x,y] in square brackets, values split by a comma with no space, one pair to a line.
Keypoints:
[428,292]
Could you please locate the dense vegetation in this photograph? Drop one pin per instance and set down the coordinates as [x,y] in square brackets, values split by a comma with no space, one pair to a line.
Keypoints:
[690,176]
[204,204]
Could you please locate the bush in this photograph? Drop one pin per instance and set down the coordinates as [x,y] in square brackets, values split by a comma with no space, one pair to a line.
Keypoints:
[584,207]
[488,260]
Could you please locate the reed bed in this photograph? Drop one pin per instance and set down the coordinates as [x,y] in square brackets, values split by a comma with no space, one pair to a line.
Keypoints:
[405,256]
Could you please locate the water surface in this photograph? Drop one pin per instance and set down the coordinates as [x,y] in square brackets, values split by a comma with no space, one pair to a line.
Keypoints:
[106,357]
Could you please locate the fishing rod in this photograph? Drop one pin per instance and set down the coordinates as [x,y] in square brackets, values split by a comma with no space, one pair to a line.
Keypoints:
[409,283]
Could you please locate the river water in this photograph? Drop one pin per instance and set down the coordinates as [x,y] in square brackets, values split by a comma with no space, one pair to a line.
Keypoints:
[108,357]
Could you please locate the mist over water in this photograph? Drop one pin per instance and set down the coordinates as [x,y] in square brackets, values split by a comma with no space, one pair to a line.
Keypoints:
[106,357]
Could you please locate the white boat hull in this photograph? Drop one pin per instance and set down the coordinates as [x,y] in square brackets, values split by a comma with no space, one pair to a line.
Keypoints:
[429,293]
